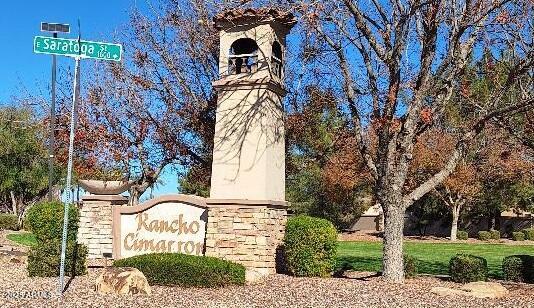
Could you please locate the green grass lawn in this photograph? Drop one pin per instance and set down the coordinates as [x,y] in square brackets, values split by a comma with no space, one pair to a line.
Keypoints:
[433,257]
[26,239]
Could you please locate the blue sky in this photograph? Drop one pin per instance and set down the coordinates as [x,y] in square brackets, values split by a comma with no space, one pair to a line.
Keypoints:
[20,22]
[21,69]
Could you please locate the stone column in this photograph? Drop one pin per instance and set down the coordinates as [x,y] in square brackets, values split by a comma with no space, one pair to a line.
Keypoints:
[247,210]
[95,227]
[247,232]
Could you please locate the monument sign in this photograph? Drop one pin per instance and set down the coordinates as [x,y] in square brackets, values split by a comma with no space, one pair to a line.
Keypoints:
[174,223]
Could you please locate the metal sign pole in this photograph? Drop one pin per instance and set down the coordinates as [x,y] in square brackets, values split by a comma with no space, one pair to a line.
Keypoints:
[55,28]
[51,141]
[68,196]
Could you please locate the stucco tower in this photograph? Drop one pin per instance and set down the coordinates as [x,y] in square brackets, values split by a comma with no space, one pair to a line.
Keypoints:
[249,149]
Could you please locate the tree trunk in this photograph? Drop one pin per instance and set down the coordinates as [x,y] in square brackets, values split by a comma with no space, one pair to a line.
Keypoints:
[13,202]
[138,189]
[134,196]
[491,222]
[497,225]
[454,225]
[393,263]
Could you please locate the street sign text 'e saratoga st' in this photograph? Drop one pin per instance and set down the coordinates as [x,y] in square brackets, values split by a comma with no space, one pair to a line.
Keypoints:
[71,48]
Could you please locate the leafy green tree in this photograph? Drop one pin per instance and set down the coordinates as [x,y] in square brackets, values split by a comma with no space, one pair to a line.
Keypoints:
[23,163]
[324,177]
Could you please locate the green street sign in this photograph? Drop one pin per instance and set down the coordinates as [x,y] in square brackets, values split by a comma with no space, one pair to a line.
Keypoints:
[71,48]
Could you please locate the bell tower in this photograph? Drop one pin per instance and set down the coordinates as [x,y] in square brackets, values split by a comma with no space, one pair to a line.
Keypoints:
[249,146]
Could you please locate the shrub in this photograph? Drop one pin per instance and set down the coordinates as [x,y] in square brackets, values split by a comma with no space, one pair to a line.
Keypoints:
[468,268]
[495,234]
[44,259]
[9,222]
[45,221]
[310,246]
[462,235]
[529,234]
[484,235]
[518,236]
[185,270]
[410,266]
[518,268]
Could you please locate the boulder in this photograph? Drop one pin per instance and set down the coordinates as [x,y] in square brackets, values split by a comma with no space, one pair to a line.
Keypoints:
[479,289]
[358,275]
[122,280]
[254,276]
[13,257]
[443,291]
[482,289]
[18,259]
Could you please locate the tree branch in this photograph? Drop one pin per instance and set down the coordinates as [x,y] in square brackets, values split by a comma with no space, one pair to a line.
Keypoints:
[351,95]
[459,151]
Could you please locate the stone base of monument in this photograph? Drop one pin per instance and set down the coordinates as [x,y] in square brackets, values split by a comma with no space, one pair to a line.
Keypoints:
[248,232]
[95,226]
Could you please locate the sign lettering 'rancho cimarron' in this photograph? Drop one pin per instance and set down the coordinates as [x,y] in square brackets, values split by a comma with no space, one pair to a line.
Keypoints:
[167,224]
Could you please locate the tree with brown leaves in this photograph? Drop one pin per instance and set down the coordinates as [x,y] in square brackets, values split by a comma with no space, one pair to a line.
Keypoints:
[398,64]
[156,109]
[324,176]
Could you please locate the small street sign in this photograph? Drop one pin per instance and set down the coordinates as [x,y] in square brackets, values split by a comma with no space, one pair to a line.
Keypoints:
[71,48]
[55,27]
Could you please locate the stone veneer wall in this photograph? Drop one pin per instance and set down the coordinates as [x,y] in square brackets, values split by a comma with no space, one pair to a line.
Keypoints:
[246,232]
[95,227]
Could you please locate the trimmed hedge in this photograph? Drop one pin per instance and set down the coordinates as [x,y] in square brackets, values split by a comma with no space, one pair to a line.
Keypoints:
[462,235]
[44,259]
[45,221]
[529,234]
[310,246]
[484,235]
[518,236]
[468,268]
[518,268]
[410,266]
[9,222]
[495,234]
[169,269]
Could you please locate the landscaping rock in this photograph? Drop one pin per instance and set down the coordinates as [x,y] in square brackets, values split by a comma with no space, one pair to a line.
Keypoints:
[482,289]
[443,291]
[18,259]
[253,276]
[13,257]
[358,274]
[479,289]
[122,280]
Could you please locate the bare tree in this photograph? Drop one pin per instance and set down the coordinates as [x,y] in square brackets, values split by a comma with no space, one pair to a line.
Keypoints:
[158,107]
[398,64]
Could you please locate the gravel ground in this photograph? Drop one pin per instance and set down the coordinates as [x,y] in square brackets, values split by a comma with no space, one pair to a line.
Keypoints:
[362,290]
[276,291]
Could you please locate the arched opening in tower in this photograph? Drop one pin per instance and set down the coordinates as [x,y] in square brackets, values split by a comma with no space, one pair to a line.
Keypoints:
[276,59]
[243,56]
